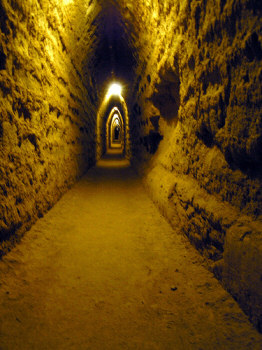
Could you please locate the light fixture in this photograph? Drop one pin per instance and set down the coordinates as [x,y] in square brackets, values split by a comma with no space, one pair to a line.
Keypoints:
[115,89]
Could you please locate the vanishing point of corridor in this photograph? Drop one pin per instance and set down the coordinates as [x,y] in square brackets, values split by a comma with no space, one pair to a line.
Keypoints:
[103,270]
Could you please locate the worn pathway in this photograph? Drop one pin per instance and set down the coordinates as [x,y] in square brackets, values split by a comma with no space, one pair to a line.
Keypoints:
[103,270]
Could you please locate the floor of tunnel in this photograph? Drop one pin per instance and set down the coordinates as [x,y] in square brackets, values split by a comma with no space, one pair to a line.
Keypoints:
[104,270]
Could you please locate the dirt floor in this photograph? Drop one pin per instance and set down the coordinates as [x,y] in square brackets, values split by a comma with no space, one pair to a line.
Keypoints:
[103,270]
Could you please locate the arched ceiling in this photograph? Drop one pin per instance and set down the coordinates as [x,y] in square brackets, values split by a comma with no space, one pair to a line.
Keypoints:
[114,57]
[101,43]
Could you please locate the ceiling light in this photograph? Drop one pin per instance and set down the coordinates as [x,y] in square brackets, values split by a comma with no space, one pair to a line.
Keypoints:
[115,89]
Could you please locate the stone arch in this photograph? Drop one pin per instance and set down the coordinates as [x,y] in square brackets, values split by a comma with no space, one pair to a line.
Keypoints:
[111,127]
[110,104]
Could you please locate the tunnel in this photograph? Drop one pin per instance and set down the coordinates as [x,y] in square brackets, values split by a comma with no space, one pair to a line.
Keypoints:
[115,130]
[185,115]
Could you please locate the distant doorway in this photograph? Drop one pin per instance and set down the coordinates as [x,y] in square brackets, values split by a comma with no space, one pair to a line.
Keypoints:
[113,127]
[115,130]
[116,134]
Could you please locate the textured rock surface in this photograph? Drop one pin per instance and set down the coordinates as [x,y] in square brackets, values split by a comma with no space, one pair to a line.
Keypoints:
[196,119]
[127,281]
[192,75]
[46,111]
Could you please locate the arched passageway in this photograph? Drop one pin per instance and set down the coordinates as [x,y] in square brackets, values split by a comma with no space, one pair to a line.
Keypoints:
[113,109]
[191,125]
[115,130]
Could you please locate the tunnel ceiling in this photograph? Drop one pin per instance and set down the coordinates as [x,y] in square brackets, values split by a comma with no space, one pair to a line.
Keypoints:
[114,57]
[112,54]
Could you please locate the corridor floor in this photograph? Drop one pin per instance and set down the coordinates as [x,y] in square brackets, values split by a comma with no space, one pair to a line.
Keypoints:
[103,270]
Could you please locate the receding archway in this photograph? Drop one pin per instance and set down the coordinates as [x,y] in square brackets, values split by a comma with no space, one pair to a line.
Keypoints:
[110,106]
[115,130]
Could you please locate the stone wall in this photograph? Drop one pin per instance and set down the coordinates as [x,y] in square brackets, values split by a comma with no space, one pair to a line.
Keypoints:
[196,120]
[47,107]
[192,75]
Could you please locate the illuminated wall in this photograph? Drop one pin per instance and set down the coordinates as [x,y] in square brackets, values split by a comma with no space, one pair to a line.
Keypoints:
[47,106]
[196,127]
[191,72]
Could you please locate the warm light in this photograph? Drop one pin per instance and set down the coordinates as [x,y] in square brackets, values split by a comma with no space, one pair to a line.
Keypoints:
[115,119]
[67,2]
[115,89]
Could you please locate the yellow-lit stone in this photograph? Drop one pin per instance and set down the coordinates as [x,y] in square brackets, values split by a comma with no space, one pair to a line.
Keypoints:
[191,72]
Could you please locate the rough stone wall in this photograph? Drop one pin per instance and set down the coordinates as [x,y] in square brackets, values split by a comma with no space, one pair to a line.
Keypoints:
[47,106]
[194,112]
[196,118]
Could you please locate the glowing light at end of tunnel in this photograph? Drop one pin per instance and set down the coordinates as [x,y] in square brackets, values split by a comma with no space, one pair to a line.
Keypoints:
[116,120]
[115,89]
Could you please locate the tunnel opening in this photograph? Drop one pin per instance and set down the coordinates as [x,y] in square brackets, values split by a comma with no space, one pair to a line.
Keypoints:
[115,129]
[113,110]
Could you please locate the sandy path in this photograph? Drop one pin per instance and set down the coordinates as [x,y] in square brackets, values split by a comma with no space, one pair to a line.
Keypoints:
[103,270]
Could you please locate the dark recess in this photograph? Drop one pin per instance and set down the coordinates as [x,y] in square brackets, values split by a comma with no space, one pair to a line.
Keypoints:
[253,48]
[255,6]
[23,110]
[205,135]
[3,19]
[167,94]
[151,141]
[248,164]
[2,59]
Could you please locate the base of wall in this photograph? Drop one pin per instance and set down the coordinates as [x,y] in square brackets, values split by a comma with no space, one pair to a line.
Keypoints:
[32,210]
[231,242]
